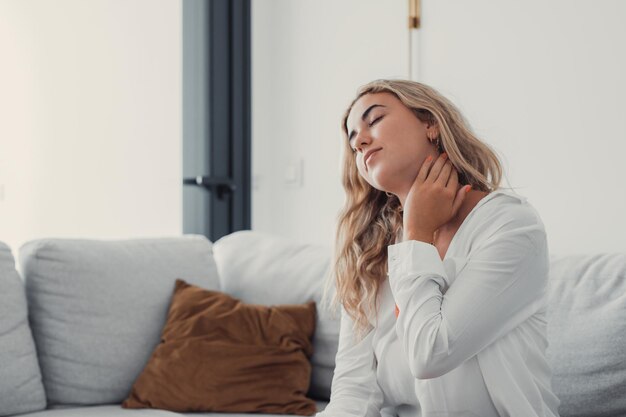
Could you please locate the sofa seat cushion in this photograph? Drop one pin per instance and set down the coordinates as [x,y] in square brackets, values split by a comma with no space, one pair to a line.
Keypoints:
[319,404]
[21,389]
[97,308]
[587,333]
[262,268]
[99,411]
[118,411]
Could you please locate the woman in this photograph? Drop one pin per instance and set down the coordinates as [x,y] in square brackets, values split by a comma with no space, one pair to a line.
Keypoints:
[442,287]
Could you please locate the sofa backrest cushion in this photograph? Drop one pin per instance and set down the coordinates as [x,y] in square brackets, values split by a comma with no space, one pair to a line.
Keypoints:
[21,389]
[97,308]
[261,268]
[587,333]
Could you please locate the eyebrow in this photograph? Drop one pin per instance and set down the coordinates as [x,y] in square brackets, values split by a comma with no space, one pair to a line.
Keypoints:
[365,113]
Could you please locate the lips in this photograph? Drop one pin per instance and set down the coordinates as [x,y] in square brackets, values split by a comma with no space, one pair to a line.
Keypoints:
[370,153]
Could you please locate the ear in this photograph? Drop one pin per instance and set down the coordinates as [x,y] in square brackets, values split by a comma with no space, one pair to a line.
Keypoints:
[432,130]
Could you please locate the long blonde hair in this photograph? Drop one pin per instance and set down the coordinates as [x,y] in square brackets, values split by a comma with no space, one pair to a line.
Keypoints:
[370,220]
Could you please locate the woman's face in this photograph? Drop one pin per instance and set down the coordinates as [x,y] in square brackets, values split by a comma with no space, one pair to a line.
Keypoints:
[383,123]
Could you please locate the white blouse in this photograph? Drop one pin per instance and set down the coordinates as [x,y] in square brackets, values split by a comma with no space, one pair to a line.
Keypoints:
[470,337]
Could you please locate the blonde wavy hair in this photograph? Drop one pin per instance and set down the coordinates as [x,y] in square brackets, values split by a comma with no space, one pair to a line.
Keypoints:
[371,220]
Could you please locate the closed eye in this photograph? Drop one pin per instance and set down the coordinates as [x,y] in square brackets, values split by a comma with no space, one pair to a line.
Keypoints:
[375,120]
[370,125]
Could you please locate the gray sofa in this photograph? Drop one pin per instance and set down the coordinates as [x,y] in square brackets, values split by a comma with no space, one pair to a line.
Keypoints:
[80,324]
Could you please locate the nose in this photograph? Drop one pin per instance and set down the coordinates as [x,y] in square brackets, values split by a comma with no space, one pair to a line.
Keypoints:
[362,139]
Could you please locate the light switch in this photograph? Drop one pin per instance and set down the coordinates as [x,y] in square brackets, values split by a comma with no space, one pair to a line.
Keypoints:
[293,173]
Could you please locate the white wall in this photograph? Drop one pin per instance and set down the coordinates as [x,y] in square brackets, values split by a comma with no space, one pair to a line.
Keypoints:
[90,122]
[308,59]
[90,128]
[543,82]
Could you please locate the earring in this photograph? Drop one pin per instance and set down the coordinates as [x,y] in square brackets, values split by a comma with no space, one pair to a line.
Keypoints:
[436,143]
[389,194]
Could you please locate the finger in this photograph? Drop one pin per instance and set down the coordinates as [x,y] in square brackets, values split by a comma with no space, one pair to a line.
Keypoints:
[460,196]
[453,181]
[436,169]
[425,168]
[444,175]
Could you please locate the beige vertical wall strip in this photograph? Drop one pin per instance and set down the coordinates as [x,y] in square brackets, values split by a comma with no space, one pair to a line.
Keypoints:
[414,25]
[414,14]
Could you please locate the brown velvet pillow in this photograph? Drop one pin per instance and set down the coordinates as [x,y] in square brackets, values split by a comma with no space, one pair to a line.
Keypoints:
[220,354]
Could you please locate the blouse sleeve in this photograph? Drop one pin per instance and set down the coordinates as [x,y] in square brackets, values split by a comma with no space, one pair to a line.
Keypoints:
[502,284]
[354,390]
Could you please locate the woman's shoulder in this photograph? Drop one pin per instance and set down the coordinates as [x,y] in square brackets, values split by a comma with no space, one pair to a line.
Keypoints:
[506,204]
[509,211]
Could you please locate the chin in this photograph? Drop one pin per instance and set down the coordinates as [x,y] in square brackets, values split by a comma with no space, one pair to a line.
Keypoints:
[377,180]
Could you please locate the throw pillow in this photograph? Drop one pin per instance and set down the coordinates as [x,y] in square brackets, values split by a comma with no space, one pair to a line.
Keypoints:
[220,354]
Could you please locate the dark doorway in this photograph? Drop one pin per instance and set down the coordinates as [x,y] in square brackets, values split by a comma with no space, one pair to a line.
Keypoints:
[216,117]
